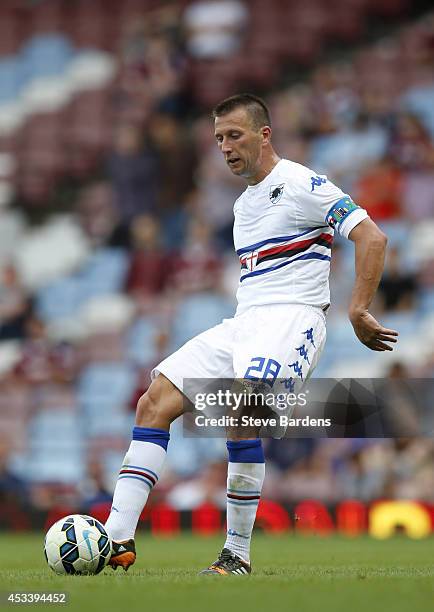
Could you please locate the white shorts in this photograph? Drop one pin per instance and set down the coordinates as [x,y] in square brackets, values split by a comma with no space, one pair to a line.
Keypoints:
[277,343]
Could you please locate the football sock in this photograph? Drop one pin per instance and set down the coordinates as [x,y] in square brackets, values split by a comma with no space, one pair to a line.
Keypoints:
[246,471]
[139,473]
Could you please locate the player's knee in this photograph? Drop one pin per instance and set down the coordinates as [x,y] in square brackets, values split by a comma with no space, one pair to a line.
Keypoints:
[159,406]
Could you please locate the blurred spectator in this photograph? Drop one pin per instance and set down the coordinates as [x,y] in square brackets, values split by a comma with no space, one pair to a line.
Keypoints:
[397,290]
[379,190]
[349,149]
[403,412]
[214,27]
[197,267]
[154,65]
[47,495]
[95,490]
[148,271]
[310,477]
[363,474]
[43,361]
[175,152]
[97,213]
[410,146]
[412,475]
[418,195]
[132,168]
[14,304]
[208,486]
[286,453]
[398,371]
[335,100]
[12,487]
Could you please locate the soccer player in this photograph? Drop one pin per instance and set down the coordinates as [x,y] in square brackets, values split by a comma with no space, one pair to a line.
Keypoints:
[283,232]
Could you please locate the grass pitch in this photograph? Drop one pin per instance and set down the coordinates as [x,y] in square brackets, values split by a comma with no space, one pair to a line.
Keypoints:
[290,573]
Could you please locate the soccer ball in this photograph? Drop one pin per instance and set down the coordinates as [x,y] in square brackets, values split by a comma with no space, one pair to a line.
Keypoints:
[77,544]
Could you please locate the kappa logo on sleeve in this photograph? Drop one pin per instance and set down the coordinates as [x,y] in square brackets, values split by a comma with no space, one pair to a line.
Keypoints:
[276,192]
[317,181]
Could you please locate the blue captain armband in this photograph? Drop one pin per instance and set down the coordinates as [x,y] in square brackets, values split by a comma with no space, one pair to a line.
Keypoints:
[340,211]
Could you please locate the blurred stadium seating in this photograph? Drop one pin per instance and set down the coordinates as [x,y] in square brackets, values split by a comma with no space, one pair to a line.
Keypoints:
[116,214]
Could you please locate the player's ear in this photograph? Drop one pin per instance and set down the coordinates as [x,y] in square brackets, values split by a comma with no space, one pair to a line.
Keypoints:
[266,134]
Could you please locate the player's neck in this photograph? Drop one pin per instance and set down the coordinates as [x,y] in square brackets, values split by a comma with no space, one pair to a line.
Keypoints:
[269,161]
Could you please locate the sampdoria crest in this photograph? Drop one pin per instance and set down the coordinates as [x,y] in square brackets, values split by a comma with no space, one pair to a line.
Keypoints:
[276,192]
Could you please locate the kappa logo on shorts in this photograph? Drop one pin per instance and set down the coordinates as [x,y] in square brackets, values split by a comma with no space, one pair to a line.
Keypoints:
[276,192]
[297,367]
[301,350]
[309,335]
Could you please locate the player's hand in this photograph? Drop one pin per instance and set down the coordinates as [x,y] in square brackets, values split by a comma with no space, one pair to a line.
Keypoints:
[371,333]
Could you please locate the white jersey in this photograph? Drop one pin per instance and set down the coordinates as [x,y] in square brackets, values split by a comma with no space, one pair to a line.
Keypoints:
[283,233]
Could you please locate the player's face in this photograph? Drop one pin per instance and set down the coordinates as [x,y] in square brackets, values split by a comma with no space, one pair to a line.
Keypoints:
[240,143]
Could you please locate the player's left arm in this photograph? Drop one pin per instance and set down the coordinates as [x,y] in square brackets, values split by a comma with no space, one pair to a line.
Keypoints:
[370,248]
[322,202]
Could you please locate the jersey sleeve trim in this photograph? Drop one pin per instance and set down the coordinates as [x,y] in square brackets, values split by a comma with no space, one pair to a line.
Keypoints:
[350,222]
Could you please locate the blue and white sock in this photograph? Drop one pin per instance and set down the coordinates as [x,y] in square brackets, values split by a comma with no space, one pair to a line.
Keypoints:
[246,471]
[139,473]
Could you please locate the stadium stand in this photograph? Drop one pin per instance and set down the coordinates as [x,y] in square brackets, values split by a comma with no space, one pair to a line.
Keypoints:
[116,209]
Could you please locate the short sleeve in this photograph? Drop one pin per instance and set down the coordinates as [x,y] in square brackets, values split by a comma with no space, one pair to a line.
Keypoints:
[322,203]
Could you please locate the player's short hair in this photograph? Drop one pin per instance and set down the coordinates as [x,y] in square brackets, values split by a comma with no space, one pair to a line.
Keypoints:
[256,107]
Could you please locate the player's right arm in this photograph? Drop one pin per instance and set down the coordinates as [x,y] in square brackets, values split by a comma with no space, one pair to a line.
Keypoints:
[370,248]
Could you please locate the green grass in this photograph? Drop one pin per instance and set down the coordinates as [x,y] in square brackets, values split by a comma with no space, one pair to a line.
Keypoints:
[290,573]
